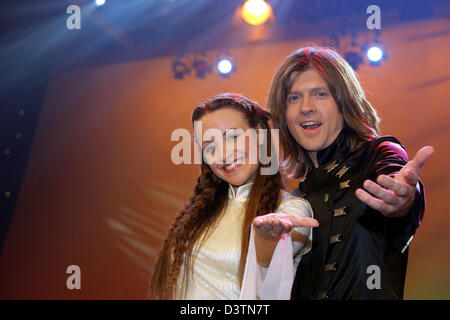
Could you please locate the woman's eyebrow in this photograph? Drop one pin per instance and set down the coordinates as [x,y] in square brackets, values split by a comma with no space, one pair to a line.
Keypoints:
[223,134]
[206,142]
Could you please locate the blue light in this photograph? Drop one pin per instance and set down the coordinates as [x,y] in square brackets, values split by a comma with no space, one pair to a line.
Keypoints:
[374,54]
[224,66]
[99,2]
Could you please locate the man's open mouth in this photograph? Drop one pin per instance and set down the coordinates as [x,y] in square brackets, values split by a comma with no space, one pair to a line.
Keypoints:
[309,125]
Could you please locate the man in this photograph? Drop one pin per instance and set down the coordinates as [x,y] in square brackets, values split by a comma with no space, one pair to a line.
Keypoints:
[363,191]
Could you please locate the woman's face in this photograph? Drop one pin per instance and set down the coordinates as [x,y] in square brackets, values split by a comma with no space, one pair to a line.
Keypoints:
[232,153]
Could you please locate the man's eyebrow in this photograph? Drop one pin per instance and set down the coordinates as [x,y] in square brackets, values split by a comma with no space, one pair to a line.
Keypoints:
[310,89]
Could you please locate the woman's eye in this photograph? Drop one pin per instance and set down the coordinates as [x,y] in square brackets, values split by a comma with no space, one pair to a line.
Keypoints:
[209,149]
[322,94]
[231,137]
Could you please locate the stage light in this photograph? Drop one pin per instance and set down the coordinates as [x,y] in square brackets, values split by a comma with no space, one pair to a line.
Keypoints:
[224,66]
[374,54]
[179,69]
[99,2]
[256,12]
[375,51]
[201,66]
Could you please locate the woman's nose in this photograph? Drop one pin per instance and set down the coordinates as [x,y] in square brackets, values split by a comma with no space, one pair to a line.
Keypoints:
[229,152]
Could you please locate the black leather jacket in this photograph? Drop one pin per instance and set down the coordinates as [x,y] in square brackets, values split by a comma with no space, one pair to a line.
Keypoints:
[354,239]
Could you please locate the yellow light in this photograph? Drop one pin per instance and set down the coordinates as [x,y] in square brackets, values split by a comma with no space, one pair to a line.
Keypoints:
[256,12]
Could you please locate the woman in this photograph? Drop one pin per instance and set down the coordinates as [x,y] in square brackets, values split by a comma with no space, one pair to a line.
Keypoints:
[211,251]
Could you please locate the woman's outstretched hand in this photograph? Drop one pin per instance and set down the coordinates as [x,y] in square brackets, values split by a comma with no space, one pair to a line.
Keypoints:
[273,225]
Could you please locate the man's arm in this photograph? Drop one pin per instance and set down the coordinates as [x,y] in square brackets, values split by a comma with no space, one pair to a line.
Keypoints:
[401,202]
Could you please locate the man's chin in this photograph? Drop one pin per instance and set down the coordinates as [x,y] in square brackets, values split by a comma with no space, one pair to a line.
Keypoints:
[310,148]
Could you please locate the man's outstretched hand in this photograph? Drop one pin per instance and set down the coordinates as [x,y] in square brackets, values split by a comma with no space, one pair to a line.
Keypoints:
[393,196]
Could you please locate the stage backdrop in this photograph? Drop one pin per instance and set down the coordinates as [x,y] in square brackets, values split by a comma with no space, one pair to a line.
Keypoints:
[100,189]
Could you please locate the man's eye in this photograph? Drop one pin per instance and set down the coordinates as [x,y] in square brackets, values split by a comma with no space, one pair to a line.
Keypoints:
[293,98]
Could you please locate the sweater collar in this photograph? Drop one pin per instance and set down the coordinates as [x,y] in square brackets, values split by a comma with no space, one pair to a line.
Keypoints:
[242,192]
[337,150]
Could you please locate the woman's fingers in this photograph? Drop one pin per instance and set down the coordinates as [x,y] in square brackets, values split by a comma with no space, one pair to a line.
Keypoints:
[275,224]
[303,222]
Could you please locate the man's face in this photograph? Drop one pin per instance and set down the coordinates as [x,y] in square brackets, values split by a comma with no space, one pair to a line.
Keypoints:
[312,114]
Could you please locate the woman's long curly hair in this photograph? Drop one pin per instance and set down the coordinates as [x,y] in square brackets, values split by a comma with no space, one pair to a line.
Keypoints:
[198,216]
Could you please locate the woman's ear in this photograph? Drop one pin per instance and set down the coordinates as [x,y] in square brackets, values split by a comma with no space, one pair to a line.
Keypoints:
[261,140]
[262,135]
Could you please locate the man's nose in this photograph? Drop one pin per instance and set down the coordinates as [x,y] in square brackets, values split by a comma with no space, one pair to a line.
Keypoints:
[307,106]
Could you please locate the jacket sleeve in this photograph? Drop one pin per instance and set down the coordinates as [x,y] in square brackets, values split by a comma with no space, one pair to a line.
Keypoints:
[390,157]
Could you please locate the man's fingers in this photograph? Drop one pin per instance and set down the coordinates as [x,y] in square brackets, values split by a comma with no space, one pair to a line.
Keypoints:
[410,176]
[373,202]
[400,188]
[420,158]
[393,195]
[379,192]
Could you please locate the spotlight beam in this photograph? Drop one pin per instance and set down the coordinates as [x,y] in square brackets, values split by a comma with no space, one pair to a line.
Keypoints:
[109,28]
[114,31]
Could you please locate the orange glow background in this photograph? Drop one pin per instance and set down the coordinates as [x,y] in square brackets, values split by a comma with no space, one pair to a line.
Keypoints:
[100,189]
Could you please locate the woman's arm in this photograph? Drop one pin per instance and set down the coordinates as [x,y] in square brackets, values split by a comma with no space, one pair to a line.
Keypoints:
[269,229]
